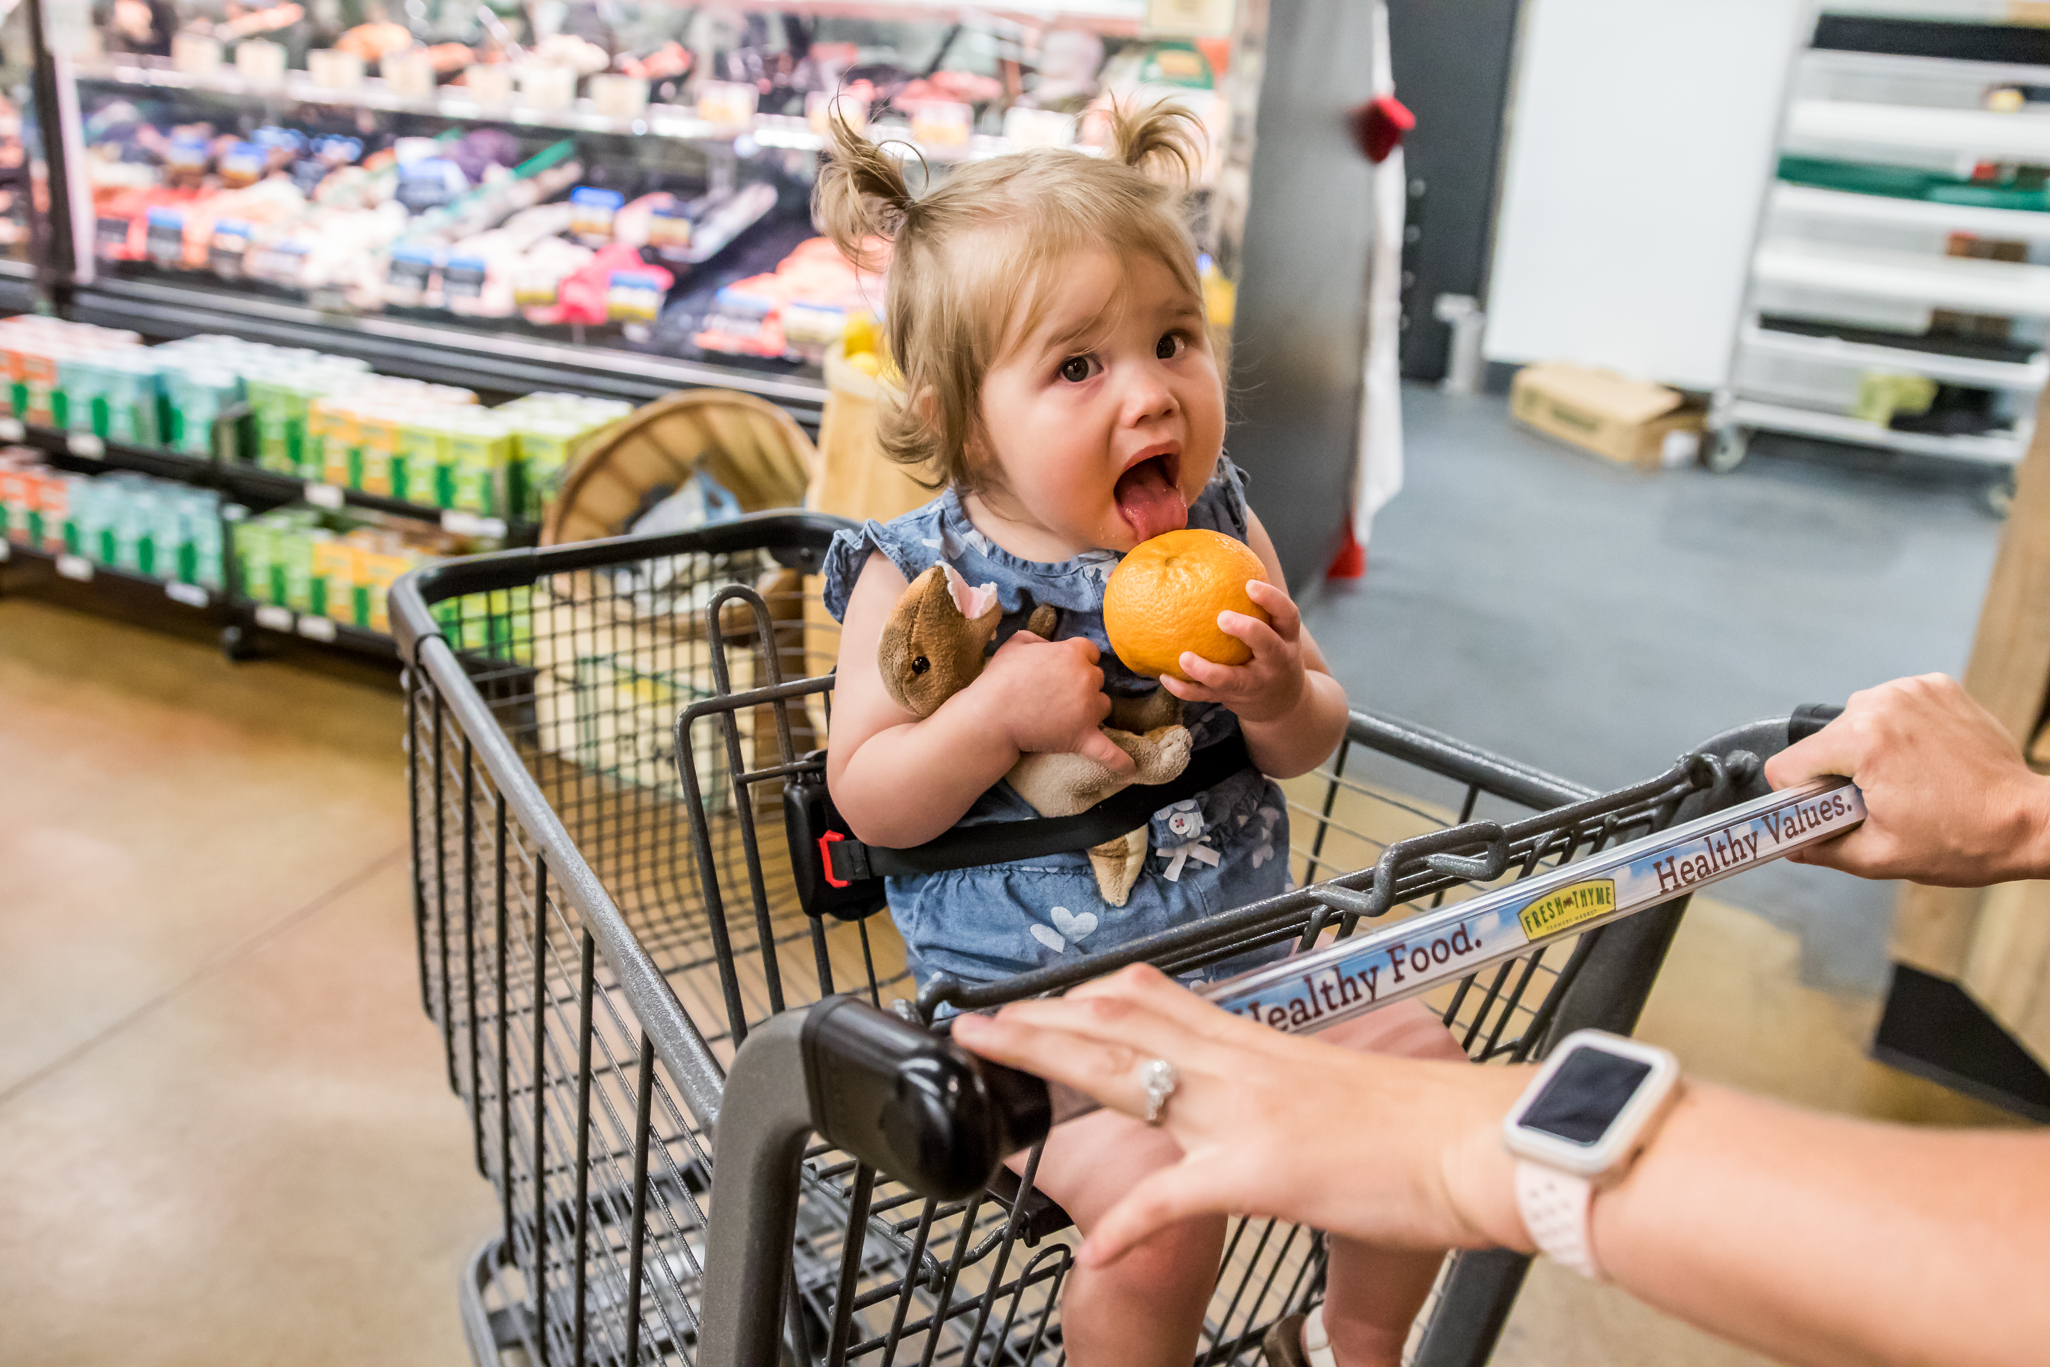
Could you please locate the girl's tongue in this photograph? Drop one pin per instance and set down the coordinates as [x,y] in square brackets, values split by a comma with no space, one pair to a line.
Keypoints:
[1149,501]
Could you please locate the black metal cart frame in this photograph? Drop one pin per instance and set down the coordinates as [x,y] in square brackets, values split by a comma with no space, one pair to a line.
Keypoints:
[598,735]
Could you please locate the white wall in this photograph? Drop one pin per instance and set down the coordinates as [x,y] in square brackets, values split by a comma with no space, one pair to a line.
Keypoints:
[1640,141]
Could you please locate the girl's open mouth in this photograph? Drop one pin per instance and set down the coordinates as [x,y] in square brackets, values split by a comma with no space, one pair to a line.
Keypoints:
[1149,498]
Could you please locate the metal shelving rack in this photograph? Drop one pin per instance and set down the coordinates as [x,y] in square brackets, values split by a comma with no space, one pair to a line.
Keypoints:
[243,621]
[1843,280]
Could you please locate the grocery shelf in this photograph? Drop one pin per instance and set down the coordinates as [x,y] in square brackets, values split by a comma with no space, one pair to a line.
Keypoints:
[1808,201]
[1105,16]
[662,121]
[1971,284]
[674,122]
[1976,133]
[494,361]
[1994,447]
[281,488]
[326,631]
[1918,31]
[1907,66]
[90,452]
[250,483]
[1836,350]
[194,598]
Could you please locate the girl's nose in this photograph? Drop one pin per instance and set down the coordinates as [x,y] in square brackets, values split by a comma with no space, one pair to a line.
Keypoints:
[1148,395]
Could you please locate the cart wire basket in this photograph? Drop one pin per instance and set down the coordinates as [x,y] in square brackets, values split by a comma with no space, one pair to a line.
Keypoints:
[598,739]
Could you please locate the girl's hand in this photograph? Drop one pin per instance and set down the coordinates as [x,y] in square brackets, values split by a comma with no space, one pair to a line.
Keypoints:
[1390,1151]
[1047,696]
[1268,686]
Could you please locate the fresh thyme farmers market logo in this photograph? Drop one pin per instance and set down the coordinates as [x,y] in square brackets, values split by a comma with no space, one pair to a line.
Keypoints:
[1568,907]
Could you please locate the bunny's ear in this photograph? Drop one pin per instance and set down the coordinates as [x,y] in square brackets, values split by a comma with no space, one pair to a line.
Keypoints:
[977,602]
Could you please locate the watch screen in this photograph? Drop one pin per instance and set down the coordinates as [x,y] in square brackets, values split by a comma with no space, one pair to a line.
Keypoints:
[1585,1096]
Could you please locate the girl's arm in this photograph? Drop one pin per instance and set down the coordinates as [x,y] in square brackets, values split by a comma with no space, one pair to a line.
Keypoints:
[1290,708]
[900,781]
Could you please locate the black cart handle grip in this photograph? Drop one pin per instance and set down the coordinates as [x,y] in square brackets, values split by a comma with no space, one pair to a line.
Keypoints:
[1805,720]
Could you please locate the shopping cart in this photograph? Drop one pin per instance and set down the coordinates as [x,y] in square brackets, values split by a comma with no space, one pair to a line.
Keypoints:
[599,736]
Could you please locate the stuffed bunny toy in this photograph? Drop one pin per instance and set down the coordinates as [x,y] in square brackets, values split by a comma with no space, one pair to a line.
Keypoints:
[934,645]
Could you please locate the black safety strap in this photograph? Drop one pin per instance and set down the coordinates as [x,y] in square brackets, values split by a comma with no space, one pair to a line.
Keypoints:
[998,842]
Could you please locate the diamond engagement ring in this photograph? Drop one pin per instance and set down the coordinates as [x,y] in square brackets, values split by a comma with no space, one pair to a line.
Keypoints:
[1160,1079]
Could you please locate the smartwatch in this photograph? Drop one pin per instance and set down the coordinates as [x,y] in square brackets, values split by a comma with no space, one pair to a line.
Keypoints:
[1577,1127]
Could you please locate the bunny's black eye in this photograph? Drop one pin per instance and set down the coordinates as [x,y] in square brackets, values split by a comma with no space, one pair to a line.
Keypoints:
[920,665]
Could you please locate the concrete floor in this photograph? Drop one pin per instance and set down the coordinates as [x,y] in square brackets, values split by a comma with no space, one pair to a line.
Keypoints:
[1596,621]
[224,1127]
[224,1124]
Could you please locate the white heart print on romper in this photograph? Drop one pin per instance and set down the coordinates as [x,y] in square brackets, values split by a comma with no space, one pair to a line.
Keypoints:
[1068,928]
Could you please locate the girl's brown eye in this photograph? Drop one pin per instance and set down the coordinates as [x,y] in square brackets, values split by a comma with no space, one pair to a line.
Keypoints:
[1168,347]
[1075,369]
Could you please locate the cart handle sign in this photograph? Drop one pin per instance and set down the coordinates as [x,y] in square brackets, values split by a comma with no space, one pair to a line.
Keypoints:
[1351,977]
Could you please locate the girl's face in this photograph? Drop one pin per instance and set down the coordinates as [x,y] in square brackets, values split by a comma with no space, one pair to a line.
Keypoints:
[1102,425]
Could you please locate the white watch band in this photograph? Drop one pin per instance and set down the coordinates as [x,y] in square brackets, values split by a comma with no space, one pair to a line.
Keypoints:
[1556,1207]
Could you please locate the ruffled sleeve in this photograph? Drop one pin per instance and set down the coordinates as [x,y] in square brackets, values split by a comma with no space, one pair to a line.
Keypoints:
[910,542]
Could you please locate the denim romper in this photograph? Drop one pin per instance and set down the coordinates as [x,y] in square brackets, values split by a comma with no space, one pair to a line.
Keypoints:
[1224,848]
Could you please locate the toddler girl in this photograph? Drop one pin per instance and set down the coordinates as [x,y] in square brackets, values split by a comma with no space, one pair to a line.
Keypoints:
[1045,311]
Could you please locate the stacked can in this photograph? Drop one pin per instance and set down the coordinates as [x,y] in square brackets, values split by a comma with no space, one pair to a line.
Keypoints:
[34,352]
[201,379]
[121,520]
[280,397]
[359,434]
[550,431]
[333,564]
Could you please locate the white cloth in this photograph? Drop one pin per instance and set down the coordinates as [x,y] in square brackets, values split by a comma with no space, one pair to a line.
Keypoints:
[1379,473]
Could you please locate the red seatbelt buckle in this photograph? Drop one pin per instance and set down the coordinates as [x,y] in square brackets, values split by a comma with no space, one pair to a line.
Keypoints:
[826,859]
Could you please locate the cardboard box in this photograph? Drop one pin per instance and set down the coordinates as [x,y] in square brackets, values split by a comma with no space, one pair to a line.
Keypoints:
[1632,422]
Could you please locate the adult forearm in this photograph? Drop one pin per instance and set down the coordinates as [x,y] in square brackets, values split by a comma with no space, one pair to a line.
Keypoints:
[1305,736]
[1820,1240]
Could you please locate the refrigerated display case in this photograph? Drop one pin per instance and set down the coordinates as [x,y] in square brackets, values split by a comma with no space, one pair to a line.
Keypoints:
[20,167]
[562,186]
[614,199]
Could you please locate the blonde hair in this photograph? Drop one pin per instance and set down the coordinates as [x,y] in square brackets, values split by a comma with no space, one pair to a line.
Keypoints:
[965,255]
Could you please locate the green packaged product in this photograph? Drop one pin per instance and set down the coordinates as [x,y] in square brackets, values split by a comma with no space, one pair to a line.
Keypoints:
[420,471]
[479,449]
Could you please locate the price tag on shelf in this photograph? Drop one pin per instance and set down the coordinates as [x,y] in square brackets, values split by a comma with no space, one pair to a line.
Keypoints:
[75,567]
[11,429]
[324,495]
[86,446]
[471,524]
[317,628]
[191,595]
[271,617]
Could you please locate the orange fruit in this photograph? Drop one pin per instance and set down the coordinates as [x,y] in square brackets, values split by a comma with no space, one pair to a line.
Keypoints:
[1164,597]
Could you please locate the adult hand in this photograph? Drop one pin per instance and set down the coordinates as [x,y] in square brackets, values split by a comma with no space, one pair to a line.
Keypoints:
[1265,1120]
[1949,800]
